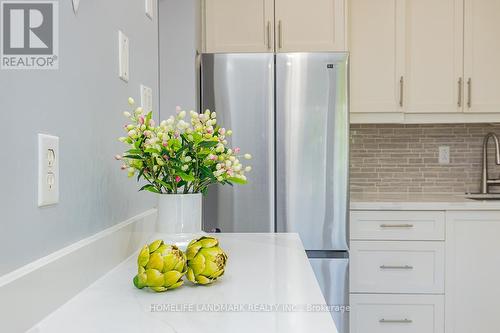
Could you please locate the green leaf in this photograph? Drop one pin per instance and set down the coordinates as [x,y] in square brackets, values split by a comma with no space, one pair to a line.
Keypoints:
[150,188]
[151,151]
[237,180]
[134,151]
[141,172]
[208,144]
[134,157]
[164,184]
[185,176]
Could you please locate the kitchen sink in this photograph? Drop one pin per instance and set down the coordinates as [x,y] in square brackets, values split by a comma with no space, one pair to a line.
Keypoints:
[483,196]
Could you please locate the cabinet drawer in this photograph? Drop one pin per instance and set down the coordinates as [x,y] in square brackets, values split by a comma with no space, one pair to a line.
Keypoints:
[397,225]
[397,267]
[397,314]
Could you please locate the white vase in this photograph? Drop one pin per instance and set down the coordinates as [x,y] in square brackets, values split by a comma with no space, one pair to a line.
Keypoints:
[179,218]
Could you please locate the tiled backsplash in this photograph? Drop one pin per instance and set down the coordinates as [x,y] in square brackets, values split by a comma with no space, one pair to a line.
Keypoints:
[404,158]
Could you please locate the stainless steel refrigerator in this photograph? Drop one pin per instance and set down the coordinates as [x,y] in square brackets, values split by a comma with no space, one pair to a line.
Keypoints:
[290,110]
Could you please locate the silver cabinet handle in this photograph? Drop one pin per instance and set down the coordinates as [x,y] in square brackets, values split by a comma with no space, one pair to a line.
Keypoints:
[459,103]
[469,92]
[268,35]
[280,35]
[396,267]
[401,88]
[396,225]
[396,321]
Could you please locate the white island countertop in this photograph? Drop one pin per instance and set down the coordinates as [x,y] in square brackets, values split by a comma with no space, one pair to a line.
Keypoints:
[416,201]
[268,286]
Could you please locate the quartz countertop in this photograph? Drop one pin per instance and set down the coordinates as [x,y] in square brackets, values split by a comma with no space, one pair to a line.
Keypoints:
[268,286]
[418,201]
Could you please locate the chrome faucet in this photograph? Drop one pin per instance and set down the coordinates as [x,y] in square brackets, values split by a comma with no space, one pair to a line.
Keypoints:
[485,182]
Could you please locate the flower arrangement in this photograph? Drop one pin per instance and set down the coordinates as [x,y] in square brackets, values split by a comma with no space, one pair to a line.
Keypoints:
[178,155]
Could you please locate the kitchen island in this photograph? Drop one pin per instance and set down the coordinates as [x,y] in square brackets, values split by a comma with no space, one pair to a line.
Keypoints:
[268,286]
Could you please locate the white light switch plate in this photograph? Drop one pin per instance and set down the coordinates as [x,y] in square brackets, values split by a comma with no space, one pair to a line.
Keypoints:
[76,4]
[444,155]
[149,8]
[146,98]
[48,170]
[123,50]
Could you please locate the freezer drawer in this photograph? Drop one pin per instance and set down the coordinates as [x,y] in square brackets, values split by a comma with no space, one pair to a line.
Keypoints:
[332,276]
[397,313]
[240,88]
[397,267]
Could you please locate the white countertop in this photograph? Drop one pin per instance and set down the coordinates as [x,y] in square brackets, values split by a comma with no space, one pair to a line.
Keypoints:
[264,270]
[409,201]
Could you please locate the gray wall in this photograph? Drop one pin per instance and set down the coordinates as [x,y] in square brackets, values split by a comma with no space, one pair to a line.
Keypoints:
[82,103]
[179,38]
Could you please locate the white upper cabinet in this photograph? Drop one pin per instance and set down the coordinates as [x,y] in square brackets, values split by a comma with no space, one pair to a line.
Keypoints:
[376,55]
[238,25]
[482,54]
[433,42]
[254,26]
[308,26]
[424,61]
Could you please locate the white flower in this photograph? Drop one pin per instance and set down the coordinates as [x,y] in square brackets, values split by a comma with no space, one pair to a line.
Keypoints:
[248,169]
[247,156]
[218,166]
[182,114]
[139,111]
[229,133]
[228,164]
[187,159]
[213,115]
[127,114]
[163,123]
[184,167]
[232,158]
[122,139]
[131,101]
[132,133]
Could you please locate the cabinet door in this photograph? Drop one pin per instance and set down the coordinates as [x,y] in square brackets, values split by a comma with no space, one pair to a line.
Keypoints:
[376,55]
[239,25]
[472,272]
[433,55]
[482,53]
[309,26]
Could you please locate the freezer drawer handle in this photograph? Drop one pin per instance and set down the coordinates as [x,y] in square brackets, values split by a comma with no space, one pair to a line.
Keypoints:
[395,321]
[396,225]
[396,267]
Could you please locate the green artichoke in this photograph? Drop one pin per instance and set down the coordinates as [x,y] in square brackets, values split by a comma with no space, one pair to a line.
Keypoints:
[161,267]
[206,261]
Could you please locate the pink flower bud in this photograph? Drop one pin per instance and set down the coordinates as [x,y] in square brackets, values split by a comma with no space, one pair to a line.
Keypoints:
[236,150]
[165,157]
[164,143]
[141,120]
[123,167]
[151,123]
[177,179]
[118,157]
[222,131]
[178,109]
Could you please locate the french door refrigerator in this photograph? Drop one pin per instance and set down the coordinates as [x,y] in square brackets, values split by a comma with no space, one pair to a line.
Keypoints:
[290,110]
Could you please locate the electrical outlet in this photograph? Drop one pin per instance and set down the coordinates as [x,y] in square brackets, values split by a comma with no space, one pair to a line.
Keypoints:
[149,8]
[146,98]
[444,155]
[123,49]
[48,170]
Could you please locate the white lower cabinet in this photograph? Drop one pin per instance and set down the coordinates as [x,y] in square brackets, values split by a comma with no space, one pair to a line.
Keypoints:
[372,313]
[473,272]
[397,267]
